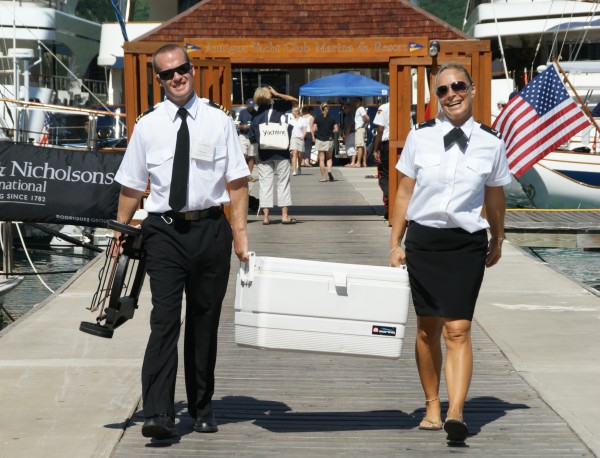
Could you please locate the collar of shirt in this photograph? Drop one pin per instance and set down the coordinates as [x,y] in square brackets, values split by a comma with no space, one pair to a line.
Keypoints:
[191,106]
[467,128]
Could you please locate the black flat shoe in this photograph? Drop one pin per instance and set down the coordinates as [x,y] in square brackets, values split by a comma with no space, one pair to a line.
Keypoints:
[457,430]
[206,424]
[159,427]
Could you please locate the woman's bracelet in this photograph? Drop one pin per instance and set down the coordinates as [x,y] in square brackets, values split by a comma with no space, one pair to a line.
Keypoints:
[500,239]
[394,248]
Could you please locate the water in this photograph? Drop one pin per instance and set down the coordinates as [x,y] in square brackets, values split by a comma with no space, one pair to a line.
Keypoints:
[576,263]
[31,291]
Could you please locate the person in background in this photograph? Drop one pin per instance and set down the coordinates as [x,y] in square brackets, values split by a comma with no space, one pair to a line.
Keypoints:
[361,121]
[188,149]
[273,164]
[297,139]
[381,151]
[309,137]
[450,166]
[325,129]
[348,133]
[249,150]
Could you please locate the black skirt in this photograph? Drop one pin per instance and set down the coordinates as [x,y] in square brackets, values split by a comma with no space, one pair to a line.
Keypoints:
[445,269]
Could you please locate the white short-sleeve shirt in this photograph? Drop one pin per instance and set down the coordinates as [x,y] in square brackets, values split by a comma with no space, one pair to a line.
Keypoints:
[215,155]
[359,121]
[450,184]
[382,118]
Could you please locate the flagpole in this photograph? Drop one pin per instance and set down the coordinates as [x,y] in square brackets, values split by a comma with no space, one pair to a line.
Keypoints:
[583,105]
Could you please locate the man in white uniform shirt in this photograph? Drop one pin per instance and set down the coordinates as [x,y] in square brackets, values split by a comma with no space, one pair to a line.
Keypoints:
[187,237]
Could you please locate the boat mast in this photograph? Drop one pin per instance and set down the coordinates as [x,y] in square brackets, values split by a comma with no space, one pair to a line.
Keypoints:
[15,68]
[500,41]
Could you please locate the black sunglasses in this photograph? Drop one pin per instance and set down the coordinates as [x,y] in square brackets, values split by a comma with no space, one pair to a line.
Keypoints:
[166,75]
[458,87]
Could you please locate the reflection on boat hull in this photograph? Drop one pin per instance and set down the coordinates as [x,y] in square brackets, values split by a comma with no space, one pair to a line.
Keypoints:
[564,180]
[95,236]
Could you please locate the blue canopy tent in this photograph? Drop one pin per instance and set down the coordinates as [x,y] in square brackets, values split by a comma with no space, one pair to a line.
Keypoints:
[344,85]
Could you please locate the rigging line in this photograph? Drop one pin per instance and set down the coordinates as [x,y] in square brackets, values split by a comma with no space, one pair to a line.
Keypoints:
[585,30]
[539,43]
[566,32]
[500,41]
[18,226]
[466,14]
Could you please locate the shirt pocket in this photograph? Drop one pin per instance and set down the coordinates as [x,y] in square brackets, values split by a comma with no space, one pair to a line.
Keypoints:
[157,158]
[477,170]
[159,164]
[428,169]
[217,164]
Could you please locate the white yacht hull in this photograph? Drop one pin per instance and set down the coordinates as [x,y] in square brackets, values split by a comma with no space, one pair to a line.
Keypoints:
[564,180]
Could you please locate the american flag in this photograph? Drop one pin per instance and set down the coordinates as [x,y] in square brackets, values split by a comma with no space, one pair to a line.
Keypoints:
[539,118]
[45,129]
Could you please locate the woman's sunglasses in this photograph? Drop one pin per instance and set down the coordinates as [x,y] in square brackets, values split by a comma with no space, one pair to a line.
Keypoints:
[458,87]
[166,75]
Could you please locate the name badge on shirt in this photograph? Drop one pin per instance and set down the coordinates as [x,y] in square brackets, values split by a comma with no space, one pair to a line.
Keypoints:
[202,152]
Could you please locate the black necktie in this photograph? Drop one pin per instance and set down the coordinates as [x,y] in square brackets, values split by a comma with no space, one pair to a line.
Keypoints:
[455,135]
[181,165]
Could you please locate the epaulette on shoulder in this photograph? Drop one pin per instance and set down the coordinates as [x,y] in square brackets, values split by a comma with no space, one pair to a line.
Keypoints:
[149,110]
[489,130]
[429,123]
[220,107]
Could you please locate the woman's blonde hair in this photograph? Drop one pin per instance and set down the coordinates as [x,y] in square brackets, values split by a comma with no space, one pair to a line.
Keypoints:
[324,107]
[262,96]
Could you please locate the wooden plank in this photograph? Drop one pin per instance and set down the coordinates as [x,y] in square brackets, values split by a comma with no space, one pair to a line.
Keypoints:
[275,403]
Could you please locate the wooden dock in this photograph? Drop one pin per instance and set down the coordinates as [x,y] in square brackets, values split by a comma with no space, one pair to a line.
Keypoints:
[553,228]
[287,404]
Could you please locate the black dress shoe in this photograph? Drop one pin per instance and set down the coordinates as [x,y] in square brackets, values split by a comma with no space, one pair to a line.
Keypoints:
[206,424]
[159,427]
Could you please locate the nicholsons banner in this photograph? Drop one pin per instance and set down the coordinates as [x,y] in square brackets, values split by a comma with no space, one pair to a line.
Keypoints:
[52,185]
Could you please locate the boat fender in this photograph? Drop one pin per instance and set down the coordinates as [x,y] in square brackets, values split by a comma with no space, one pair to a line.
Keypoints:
[220,107]
[489,130]
[149,110]
[429,123]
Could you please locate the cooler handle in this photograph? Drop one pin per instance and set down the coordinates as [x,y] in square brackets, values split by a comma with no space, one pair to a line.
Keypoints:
[340,281]
[247,269]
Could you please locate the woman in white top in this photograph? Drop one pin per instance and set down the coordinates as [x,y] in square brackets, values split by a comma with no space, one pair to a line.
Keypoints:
[449,167]
[297,140]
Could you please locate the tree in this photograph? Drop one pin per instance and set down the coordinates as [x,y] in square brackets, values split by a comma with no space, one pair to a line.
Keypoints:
[451,11]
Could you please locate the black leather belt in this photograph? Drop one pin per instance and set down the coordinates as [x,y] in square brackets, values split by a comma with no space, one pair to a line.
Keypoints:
[192,215]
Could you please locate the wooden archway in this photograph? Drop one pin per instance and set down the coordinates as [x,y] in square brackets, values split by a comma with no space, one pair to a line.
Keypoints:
[404,56]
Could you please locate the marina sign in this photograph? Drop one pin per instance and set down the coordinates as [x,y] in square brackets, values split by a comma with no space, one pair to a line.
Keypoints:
[55,185]
[298,49]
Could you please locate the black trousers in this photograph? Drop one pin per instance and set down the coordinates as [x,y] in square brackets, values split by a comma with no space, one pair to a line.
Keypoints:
[383,169]
[190,256]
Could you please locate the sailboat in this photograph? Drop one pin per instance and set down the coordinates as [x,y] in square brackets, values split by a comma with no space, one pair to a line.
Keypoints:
[526,35]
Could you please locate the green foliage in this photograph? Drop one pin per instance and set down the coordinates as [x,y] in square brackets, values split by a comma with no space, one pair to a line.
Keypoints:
[451,11]
[142,10]
[96,10]
[102,10]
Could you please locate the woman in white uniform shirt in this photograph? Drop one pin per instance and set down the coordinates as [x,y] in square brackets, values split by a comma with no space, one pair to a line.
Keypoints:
[445,176]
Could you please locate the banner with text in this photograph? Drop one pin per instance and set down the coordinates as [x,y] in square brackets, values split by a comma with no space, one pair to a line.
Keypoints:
[55,185]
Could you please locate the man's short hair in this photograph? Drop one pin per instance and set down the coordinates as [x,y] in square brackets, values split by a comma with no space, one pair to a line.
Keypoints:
[168,48]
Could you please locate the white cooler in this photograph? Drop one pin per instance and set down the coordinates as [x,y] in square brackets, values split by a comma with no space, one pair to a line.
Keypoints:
[293,304]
